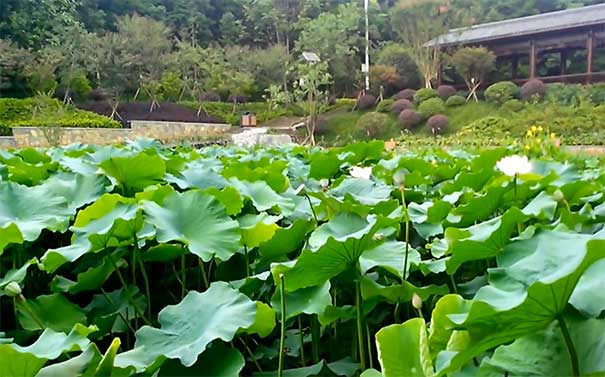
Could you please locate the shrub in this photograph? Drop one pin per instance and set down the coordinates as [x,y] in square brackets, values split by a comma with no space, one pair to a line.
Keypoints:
[513,106]
[501,92]
[490,125]
[473,63]
[210,96]
[385,76]
[437,124]
[596,93]
[171,86]
[410,119]
[430,107]
[446,91]
[405,94]
[403,104]
[366,102]
[237,98]
[372,124]
[423,94]
[385,105]
[321,126]
[455,100]
[397,56]
[533,90]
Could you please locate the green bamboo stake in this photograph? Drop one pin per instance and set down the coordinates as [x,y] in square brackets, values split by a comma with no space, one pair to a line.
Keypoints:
[282,335]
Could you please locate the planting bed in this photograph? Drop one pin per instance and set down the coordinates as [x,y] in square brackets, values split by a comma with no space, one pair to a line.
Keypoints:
[299,262]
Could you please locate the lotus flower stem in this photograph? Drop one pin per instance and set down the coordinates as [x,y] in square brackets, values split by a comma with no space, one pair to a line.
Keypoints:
[369,341]
[360,332]
[406,218]
[127,292]
[251,354]
[282,335]
[143,274]
[301,339]
[515,187]
[247,261]
[454,286]
[183,277]
[315,330]
[573,355]
[203,273]
[311,206]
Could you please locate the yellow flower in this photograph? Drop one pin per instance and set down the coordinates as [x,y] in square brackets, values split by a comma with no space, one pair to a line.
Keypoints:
[534,128]
[553,135]
[527,147]
[529,133]
[540,129]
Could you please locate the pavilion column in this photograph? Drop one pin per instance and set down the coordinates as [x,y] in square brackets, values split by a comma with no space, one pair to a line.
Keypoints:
[532,59]
[589,55]
[515,66]
[563,62]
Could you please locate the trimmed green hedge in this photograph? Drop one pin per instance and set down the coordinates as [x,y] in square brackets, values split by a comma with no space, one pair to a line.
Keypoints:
[224,111]
[20,113]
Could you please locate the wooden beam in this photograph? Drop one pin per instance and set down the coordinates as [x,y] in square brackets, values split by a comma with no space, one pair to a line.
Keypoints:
[563,61]
[532,59]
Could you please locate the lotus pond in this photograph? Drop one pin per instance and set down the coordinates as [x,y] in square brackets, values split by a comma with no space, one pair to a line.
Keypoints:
[299,262]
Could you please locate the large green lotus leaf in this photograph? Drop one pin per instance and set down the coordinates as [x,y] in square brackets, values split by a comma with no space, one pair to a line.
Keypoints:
[336,313]
[257,229]
[345,367]
[310,300]
[286,240]
[77,190]
[389,255]
[264,323]
[324,164]
[111,221]
[334,247]
[481,241]
[53,311]
[198,175]
[164,252]
[16,275]
[531,287]
[91,279]
[134,173]
[8,235]
[403,350]
[589,295]
[399,292]
[199,221]
[427,218]
[106,365]
[355,153]
[229,197]
[108,311]
[360,190]
[271,172]
[544,353]
[28,174]
[542,207]
[216,361]
[477,208]
[32,210]
[188,327]
[262,196]
[18,361]
[84,364]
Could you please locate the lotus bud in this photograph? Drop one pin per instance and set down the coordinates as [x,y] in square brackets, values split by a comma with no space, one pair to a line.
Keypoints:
[12,289]
[558,195]
[416,301]
[399,178]
[324,183]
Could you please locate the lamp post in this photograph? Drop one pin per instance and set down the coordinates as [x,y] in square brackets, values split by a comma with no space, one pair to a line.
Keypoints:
[366,67]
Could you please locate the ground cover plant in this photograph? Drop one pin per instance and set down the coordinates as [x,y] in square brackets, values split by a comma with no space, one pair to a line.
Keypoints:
[300,262]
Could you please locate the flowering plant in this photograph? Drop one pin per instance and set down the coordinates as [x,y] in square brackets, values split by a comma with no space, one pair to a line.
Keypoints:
[539,142]
[361,172]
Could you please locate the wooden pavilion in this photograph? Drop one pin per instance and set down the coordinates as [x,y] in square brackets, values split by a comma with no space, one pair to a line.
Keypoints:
[563,46]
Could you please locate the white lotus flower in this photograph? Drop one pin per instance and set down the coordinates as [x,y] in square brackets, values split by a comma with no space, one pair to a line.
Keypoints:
[358,172]
[514,165]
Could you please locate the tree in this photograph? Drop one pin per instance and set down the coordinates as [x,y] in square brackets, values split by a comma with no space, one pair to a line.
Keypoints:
[12,63]
[473,64]
[385,79]
[310,91]
[232,29]
[416,22]
[396,55]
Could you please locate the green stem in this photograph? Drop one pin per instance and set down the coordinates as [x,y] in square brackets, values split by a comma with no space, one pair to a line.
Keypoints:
[454,286]
[204,275]
[251,354]
[282,335]
[515,187]
[112,303]
[146,283]
[573,355]
[369,341]
[315,338]
[183,277]
[407,234]
[247,261]
[396,313]
[312,209]
[127,292]
[301,339]
[360,332]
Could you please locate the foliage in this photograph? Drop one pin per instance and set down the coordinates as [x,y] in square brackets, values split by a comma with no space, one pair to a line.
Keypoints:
[473,64]
[46,112]
[431,106]
[455,100]
[501,92]
[385,77]
[405,94]
[372,124]
[385,105]
[424,94]
[533,90]
[366,102]
[446,91]
[262,110]
[140,260]
[437,124]
[396,55]
[403,104]
[410,119]
[513,106]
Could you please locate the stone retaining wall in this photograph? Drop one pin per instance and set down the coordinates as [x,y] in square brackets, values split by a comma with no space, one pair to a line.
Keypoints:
[167,132]
[7,142]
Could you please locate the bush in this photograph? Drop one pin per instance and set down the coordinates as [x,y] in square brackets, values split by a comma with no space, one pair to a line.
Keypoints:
[423,94]
[210,96]
[446,91]
[410,119]
[437,124]
[224,110]
[385,105]
[387,77]
[513,106]
[403,104]
[533,90]
[490,125]
[372,124]
[455,100]
[171,86]
[237,98]
[345,102]
[430,107]
[397,56]
[366,102]
[405,94]
[321,126]
[501,92]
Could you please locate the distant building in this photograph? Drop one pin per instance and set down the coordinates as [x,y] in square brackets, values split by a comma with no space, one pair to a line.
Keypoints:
[563,46]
